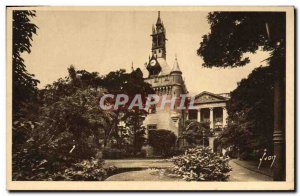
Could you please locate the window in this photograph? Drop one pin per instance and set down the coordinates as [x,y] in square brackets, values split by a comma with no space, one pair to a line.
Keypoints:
[218,113]
[153,109]
[193,114]
[205,114]
[152,127]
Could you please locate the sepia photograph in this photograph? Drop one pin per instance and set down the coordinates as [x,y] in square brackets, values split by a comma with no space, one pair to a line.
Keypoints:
[150,98]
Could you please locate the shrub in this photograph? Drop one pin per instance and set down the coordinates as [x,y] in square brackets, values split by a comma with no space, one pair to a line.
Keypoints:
[232,154]
[64,131]
[141,154]
[251,155]
[162,141]
[178,151]
[87,170]
[196,133]
[114,153]
[201,164]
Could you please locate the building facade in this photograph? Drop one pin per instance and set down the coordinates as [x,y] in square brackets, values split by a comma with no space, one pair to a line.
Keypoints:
[209,107]
[166,81]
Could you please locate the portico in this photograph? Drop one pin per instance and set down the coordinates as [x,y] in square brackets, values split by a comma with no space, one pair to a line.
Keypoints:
[215,116]
[210,108]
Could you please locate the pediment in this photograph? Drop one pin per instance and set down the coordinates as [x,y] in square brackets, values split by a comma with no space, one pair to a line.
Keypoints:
[207,97]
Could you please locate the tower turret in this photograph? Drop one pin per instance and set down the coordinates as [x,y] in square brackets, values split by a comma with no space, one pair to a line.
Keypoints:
[175,70]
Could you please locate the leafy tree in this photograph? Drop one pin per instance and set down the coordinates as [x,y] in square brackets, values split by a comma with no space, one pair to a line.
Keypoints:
[118,82]
[130,84]
[88,79]
[194,132]
[162,140]
[130,137]
[63,133]
[24,84]
[82,118]
[235,33]
[84,79]
[67,129]
[251,117]
[134,117]
[134,121]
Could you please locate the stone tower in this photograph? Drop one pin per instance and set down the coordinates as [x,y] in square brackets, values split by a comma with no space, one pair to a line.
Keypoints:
[166,82]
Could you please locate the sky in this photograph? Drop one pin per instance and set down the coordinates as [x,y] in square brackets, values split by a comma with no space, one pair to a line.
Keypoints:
[105,41]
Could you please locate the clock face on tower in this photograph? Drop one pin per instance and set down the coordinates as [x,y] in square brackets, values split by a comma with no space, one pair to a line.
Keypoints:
[153,62]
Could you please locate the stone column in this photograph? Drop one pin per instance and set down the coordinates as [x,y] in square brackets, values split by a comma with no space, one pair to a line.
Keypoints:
[224,116]
[211,142]
[211,118]
[199,115]
[279,140]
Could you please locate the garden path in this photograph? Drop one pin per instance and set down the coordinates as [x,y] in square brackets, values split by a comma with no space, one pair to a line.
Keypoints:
[240,173]
[147,173]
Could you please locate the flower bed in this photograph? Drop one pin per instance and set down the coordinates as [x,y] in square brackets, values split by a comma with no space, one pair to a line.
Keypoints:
[201,164]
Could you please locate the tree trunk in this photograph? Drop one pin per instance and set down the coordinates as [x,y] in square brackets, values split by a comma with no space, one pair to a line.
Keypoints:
[105,141]
[134,141]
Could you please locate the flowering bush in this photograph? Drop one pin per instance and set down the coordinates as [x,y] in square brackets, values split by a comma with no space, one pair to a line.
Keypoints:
[201,164]
[87,170]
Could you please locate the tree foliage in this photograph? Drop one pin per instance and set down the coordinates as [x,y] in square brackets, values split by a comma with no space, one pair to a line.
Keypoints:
[69,128]
[131,84]
[250,109]
[63,133]
[235,33]
[195,132]
[162,141]
[24,84]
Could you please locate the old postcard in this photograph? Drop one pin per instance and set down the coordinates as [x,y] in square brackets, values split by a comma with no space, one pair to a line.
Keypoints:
[150,98]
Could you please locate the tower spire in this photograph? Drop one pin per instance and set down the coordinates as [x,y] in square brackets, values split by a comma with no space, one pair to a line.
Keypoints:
[159,39]
[158,22]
